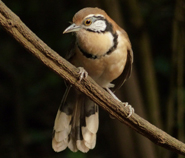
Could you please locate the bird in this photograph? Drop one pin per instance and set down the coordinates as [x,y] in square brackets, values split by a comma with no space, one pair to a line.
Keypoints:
[102,50]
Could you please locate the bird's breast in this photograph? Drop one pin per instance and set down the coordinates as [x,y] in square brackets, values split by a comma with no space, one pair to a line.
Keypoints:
[95,43]
[105,69]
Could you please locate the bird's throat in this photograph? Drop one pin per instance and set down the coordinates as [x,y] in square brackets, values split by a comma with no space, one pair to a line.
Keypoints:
[96,55]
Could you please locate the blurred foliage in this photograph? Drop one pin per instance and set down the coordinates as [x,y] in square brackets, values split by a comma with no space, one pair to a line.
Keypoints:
[30,93]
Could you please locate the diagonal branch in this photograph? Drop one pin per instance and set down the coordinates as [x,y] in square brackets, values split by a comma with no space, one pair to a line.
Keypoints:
[14,26]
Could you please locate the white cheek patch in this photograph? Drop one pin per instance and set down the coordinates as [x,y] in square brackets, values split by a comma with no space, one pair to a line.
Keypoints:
[98,26]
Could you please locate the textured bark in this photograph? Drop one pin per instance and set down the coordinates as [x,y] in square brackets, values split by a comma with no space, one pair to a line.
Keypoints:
[13,25]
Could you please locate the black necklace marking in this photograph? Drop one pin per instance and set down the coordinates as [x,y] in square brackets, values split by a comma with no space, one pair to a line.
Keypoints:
[115,41]
[87,55]
[91,56]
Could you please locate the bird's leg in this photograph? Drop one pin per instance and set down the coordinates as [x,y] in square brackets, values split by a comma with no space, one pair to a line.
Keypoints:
[131,109]
[111,93]
[83,73]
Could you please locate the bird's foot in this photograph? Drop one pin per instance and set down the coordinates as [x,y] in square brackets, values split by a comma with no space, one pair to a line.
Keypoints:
[131,109]
[83,73]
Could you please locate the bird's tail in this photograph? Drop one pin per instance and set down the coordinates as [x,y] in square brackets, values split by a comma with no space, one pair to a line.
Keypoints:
[76,123]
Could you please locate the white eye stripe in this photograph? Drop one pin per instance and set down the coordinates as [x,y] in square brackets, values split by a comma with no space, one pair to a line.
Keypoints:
[92,15]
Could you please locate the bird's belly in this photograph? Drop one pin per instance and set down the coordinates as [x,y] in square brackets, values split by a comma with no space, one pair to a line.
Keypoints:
[105,69]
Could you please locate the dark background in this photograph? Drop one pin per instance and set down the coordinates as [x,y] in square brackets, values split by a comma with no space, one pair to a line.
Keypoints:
[30,93]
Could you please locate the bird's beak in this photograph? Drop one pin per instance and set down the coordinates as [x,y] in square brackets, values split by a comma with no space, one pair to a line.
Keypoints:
[72,28]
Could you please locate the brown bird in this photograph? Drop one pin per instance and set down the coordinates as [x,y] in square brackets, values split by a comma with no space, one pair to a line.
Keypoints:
[103,51]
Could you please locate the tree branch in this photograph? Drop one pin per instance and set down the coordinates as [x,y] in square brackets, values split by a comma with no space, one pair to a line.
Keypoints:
[13,25]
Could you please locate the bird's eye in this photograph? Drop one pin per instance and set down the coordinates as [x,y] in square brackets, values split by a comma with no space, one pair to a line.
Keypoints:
[88,22]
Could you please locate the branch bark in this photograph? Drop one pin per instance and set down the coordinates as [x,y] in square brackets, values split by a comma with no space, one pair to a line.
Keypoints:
[14,26]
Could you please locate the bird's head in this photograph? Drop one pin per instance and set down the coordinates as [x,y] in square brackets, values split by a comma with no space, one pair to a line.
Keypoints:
[91,19]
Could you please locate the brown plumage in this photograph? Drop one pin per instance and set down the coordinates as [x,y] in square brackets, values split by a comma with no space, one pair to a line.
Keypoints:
[103,49]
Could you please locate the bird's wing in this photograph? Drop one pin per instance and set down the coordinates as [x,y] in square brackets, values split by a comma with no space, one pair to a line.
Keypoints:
[126,72]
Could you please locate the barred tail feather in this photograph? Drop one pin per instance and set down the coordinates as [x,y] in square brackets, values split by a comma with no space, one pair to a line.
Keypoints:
[76,123]
[91,128]
[62,126]
[62,129]
[72,145]
[59,146]
[81,146]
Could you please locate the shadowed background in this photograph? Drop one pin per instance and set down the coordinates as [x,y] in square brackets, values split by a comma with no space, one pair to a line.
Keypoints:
[30,93]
